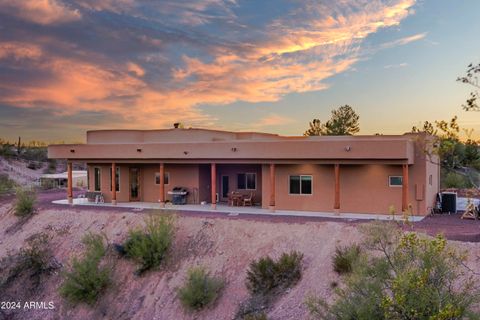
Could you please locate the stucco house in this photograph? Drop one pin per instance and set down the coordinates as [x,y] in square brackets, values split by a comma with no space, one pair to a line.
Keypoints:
[354,174]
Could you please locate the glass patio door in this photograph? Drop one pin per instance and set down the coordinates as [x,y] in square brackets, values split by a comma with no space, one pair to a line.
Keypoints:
[225,187]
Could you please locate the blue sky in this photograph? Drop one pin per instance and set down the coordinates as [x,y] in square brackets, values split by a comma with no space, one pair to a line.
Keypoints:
[71,66]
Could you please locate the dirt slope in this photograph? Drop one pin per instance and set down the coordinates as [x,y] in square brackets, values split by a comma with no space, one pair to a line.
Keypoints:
[224,246]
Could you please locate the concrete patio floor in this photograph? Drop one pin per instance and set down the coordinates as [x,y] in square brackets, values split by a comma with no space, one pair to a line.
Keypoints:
[233,211]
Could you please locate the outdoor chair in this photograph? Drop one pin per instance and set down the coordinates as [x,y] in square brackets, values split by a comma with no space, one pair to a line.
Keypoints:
[99,198]
[471,212]
[249,200]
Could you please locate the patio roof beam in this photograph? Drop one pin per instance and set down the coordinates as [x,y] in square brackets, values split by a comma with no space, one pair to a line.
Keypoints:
[213,183]
[114,183]
[69,183]
[162,185]
[272,188]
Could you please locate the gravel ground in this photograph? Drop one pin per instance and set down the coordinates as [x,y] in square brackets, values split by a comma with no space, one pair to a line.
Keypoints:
[450,225]
[224,245]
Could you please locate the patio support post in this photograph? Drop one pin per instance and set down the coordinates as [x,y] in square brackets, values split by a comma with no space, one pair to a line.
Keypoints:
[162,185]
[69,183]
[336,205]
[405,188]
[114,184]
[213,183]
[272,187]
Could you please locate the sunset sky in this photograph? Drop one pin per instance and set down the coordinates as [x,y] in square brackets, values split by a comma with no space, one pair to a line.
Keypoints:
[67,66]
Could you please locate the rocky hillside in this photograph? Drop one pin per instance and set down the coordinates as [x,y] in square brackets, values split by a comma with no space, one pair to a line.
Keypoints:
[225,246]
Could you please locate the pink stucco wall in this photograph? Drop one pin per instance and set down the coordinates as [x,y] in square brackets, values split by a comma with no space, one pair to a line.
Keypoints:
[365,163]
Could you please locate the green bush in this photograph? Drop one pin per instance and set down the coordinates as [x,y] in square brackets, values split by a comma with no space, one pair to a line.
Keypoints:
[25,203]
[344,258]
[37,254]
[6,184]
[265,275]
[455,180]
[34,260]
[149,247]
[402,276]
[86,279]
[200,290]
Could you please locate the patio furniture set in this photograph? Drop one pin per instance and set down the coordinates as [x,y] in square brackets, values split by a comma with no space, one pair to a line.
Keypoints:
[236,199]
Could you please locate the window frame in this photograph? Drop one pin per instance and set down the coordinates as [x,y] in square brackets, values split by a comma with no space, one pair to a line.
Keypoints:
[117,180]
[166,174]
[300,181]
[246,181]
[95,178]
[395,185]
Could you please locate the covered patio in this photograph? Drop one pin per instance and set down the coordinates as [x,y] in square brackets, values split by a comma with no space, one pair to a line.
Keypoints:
[234,211]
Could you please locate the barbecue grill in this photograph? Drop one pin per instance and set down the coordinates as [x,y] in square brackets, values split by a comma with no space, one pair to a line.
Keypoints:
[179,195]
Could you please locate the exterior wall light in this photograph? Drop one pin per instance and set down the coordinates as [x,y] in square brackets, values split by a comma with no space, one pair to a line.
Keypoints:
[348,148]
[185,152]
[234,149]
[139,150]
[72,150]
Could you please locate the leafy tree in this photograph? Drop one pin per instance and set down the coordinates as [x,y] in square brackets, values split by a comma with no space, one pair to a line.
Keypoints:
[403,276]
[471,154]
[316,128]
[344,121]
[448,145]
[471,78]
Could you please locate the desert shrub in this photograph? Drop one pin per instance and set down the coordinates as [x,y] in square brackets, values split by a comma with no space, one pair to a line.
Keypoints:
[402,276]
[265,274]
[51,166]
[455,180]
[344,258]
[37,253]
[200,289]
[86,279]
[34,260]
[256,316]
[266,280]
[149,247]
[25,203]
[261,275]
[6,184]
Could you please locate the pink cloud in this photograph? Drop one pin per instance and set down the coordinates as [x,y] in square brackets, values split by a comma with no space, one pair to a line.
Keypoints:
[297,54]
[40,11]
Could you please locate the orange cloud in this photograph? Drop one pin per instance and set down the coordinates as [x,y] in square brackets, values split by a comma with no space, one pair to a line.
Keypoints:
[296,54]
[40,11]
[19,51]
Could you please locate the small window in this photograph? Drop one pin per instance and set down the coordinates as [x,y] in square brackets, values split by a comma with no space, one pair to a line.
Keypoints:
[430,180]
[97,178]
[247,181]
[300,184]
[117,179]
[166,178]
[395,181]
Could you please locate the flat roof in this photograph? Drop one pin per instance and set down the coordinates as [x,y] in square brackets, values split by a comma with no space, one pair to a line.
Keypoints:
[190,145]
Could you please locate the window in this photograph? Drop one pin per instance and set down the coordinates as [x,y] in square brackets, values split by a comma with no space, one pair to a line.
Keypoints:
[300,184]
[430,180]
[117,179]
[395,181]
[97,177]
[166,178]
[247,181]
